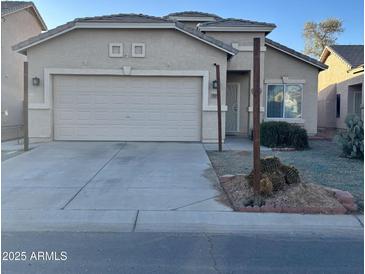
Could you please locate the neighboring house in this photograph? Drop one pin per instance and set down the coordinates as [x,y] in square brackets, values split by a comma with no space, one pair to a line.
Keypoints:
[341,86]
[143,78]
[19,21]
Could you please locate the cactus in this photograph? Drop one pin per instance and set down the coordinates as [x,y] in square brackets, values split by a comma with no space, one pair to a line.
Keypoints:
[269,164]
[275,176]
[291,174]
[352,140]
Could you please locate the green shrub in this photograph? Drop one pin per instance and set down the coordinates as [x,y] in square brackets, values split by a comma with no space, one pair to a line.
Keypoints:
[352,140]
[283,134]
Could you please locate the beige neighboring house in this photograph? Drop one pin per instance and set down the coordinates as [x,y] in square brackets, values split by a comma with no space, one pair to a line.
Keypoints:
[341,86]
[19,21]
[136,77]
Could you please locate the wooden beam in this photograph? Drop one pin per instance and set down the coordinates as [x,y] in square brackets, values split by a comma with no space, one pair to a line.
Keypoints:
[25,108]
[256,115]
[219,110]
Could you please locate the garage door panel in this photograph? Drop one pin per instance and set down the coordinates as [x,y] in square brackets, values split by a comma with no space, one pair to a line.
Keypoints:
[127,108]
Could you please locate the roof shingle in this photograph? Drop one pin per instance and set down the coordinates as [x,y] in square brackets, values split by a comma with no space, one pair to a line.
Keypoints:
[192,14]
[295,53]
[353,54]
[127,18]
[233,22]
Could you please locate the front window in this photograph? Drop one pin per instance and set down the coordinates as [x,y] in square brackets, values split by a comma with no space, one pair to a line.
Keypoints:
[284,101]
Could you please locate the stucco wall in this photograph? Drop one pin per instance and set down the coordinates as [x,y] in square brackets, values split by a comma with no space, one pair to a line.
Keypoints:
[86,48]
[277,65]
[15,27]
[335,80]
[345,89]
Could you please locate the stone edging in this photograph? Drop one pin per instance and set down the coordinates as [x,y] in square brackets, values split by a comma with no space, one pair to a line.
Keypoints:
[345,198]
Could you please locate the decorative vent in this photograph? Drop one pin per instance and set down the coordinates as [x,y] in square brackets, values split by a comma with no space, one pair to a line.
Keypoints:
[138,50]
[116,50]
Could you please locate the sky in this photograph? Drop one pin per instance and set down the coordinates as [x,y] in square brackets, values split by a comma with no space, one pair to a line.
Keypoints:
[288,15]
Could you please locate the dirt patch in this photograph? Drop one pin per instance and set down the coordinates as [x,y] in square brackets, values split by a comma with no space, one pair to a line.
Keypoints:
[298,198]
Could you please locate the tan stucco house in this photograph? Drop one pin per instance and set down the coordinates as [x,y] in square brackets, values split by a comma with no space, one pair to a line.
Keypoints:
[144,78]
[19,21]
[341,86]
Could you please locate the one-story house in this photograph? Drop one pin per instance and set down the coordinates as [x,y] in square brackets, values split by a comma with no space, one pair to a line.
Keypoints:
[20,20]
[341,86]
[136,77]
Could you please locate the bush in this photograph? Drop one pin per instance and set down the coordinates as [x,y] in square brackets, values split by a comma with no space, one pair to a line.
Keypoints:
[283,134]
[352,140]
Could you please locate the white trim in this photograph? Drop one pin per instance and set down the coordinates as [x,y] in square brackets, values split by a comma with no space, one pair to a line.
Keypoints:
[238,105]
[193,19]
[284,80]
[138,55]
[48,72]
[45,39]
[122,26]
[237,29]
[246,48]
[295,56]
[290,120]
[116,55]
[250,109]
[101,25]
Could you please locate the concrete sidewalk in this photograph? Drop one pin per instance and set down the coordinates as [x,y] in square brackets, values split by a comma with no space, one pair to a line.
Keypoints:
[175,221]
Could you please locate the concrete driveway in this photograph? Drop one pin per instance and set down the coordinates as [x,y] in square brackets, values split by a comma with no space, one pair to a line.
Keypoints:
[111,176]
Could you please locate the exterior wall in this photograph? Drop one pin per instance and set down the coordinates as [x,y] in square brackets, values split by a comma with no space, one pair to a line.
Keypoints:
[243,78]
[337,72]
[345,88]
[327,107]
[337,79]
[278,65]
[15,28]
[243,61]
[88,49]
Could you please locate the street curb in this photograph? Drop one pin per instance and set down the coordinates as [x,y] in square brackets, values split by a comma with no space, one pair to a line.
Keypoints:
[174,221]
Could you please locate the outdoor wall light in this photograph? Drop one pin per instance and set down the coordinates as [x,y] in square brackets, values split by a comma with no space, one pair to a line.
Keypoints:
[36,81]
[215,84]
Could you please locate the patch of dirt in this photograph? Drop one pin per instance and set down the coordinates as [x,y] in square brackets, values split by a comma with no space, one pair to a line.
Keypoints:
[301,195]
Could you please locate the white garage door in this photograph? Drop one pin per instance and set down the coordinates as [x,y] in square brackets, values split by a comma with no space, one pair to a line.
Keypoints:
[127,108]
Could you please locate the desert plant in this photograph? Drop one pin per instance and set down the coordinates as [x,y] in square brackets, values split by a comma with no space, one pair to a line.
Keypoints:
[352,140]
[283,134]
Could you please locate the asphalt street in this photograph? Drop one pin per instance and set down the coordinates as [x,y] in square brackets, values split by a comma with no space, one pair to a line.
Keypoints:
[56,252]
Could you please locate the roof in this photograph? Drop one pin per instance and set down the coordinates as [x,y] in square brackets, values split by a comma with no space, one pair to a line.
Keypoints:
[233,24]
[353,55]
[295,54]
[192,14]
[116,21]
[9,7]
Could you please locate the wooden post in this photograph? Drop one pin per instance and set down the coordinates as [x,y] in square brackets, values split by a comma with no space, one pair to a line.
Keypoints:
[219,110]
[25,108]
[256,115]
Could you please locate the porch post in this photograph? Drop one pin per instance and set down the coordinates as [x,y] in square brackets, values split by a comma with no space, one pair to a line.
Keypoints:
[256,115]
[25,108]
[219,110]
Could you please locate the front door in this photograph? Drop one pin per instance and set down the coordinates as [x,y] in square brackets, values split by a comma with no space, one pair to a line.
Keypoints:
[232,114]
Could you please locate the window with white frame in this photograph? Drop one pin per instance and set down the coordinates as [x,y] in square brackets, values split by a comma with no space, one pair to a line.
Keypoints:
[284,101]
[116,50]
[138,50]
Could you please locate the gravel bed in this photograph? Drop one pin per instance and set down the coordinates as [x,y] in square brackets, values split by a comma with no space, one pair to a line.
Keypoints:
[320,164]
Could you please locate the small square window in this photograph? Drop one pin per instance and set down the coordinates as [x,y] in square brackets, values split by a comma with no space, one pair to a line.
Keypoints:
[138,50]
[115,50]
